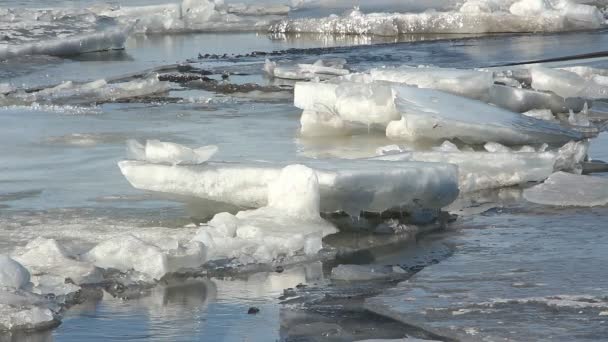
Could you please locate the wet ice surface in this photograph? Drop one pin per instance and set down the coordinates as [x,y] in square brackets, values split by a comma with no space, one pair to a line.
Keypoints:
[59,177]
[514,276]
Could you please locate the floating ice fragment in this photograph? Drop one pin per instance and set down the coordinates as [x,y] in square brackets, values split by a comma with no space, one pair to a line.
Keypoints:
[358,104]
[322,69]
[20,310]
[429,114]
[156,151]
[567,84]
[47,256]
[565,189]
[12,273]
[127,253]
[447,146]
[91,92]
[496,147]
[485,170]
[541,114]
[465,82]
[524,100]
[290,223]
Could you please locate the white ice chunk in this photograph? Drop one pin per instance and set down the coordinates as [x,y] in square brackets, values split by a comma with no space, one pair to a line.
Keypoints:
[567,84]
[322,69]
[529,7]
[464,82]
[429,114]
[21,310]
[167,152]
[127,253]
[447,146]
[485,170]
[12,273]
[290,223]
[47,256]
[523,100]
[496,147]
[565,189]
[96,91]
[351,186]
[356,103]
[541,114]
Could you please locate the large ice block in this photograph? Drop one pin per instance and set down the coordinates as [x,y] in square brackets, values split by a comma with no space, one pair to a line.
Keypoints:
[433,115]
[351,186]
[465,82]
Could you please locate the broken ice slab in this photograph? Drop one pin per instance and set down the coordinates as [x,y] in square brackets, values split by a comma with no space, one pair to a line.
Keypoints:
[566,189]
[350,186]
[433,115]
[485,170]
[465,82]
[321,69]
[568,83]
[23,310]
[522,100]
[81,93]
[364,104]
[156,151]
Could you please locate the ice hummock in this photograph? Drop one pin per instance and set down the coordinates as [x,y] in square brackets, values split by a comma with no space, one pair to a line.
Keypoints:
[322,69]
[288,224]
[429,114]
[472,17]
[12,273]
[156,151]
[19,308]
[565,189]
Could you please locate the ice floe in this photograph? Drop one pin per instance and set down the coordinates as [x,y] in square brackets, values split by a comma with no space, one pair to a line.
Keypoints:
[321,69]
[568,83]
[466,82]
[472,17]
[429,114]
[565,189]
[12,273]
[86,93]
[350,186]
